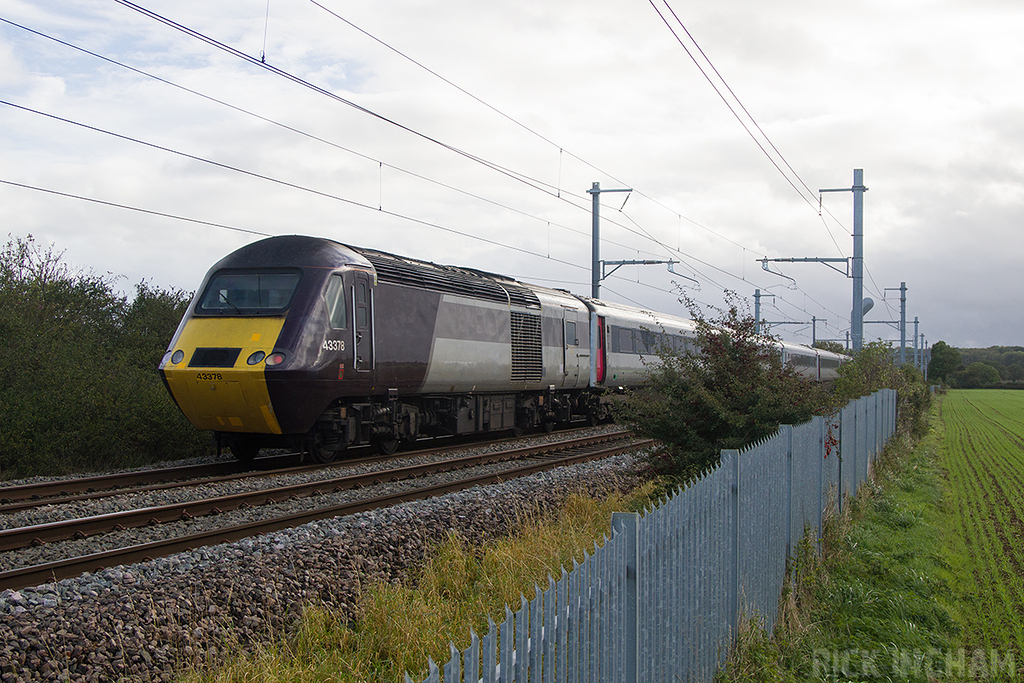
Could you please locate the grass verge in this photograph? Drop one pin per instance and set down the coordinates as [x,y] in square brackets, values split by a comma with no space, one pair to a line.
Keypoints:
[872,605]
[457,590]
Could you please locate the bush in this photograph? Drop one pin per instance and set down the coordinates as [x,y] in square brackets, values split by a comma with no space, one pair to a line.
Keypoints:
[873,368]
[977,375]
[79,385]
[730,394]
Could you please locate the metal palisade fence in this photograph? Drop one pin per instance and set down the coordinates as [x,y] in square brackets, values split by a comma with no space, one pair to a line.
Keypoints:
[662,598]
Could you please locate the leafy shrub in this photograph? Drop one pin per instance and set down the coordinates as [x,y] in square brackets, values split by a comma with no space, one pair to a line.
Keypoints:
[79,386]
[874,367]
[730,394]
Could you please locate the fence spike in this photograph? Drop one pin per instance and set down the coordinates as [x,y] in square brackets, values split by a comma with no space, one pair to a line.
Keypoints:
[452,669]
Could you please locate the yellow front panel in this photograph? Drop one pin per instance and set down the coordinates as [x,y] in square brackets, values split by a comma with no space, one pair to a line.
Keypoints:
[224,399]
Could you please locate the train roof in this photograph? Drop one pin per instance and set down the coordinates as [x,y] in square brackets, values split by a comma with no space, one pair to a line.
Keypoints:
[293,251]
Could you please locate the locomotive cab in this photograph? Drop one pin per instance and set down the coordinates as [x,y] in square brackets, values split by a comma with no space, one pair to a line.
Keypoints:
[265,349]
[215,366]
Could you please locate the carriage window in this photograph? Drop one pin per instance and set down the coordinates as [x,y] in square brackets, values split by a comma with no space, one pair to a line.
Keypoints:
[248,293]
[570,333]
[625,339]
[335,298]
[644,341]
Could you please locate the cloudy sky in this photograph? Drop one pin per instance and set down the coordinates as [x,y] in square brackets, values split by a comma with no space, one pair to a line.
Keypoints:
[469,132]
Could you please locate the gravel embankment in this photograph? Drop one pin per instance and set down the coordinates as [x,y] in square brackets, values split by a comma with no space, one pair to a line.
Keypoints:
[146,621]
[50,552]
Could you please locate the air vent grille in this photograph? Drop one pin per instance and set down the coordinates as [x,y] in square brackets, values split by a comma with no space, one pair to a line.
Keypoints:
[527,358]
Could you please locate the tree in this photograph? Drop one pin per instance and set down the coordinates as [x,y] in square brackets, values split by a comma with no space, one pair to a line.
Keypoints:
[977,375]
[1011,358]
[731,393]
[874,367]
[79,385]
[945,359]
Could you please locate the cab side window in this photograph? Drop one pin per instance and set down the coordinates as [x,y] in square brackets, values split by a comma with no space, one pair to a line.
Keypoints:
[336,303]
[362,318]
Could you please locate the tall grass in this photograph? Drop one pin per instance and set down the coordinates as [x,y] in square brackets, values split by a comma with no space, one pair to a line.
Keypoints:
[458,588]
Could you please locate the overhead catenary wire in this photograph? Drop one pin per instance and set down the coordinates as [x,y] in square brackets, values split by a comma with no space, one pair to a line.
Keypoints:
[534,182]
[284,183]
[643,233]
[127,207]
[807,198]
[561,149]
[522,177]
[501,169]
[381,164]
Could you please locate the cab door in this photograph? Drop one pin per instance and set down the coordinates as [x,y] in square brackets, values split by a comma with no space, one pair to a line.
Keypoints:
[362,329]
[337,350]
[570,348]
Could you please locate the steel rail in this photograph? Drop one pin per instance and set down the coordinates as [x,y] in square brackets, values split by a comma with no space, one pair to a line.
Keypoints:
[55,571]
[23,537]
[24,496]
[37,491]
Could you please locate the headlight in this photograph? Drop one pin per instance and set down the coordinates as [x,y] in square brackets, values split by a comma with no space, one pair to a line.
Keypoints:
[256,357]
[178,356]
[275,358]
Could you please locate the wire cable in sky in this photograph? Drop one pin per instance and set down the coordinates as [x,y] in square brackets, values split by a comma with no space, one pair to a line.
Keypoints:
[127,207]
[562,150]
[310,136]
[809,197]
[521,177]
[335,145]
[285,183]
[537,184]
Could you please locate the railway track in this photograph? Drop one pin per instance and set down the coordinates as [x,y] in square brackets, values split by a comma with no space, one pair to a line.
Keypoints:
[58,492]
[361,491]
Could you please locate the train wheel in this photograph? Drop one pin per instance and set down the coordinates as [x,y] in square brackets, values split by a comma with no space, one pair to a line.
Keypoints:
[549,426]
[319,454]
[386,445]
[245,447]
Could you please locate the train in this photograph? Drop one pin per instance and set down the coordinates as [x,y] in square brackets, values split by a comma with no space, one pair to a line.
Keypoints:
[307,343]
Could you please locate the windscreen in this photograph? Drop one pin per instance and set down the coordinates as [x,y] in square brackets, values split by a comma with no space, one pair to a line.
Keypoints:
[248,293]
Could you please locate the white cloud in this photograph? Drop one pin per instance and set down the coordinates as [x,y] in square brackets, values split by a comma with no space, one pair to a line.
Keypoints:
[925,97]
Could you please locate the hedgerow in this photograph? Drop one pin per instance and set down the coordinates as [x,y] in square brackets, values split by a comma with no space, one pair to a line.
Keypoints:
[734,390]
[79,386]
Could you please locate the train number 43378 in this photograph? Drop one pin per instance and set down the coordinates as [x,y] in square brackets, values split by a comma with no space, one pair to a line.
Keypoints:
[333,345]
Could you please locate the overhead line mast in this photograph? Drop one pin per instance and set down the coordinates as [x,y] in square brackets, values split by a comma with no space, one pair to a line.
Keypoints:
[857,314]
[857,268]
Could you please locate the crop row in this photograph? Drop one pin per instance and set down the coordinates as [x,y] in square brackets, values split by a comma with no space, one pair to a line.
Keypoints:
[983,456]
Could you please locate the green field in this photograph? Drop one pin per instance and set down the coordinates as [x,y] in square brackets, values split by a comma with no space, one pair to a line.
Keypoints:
[982,454]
